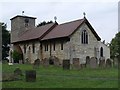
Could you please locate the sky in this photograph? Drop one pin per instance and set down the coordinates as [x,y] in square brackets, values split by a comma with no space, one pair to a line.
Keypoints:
[102,14]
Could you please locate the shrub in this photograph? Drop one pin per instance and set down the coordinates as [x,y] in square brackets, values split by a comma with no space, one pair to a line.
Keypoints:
[16,56]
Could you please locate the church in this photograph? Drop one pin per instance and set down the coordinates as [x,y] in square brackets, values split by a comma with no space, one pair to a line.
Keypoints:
[74,39]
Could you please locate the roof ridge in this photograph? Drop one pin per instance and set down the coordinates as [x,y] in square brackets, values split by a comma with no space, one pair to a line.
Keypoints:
[45,25]
[71,21]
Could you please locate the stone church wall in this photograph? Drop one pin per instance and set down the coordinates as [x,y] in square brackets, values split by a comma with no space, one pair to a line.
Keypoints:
[80,50]
[29,51]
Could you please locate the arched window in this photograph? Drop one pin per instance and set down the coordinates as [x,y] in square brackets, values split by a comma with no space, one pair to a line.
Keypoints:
[84,37]
[101,52]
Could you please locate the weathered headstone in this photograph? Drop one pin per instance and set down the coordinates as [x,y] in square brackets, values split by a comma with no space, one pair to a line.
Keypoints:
[66,64]
[108,63]
[83,65]
[18,72]
[115,61]
[87,60]
[30,76]
[45,62]
[93,62]
[102,62]
[76,64]
[36,63]
[56,61]
[27,61]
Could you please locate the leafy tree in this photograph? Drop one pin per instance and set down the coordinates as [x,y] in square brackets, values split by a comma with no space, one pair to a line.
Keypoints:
[115,46]
[16,56]
[5,42]
[44,23]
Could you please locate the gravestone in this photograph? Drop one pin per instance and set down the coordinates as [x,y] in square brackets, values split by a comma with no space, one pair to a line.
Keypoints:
[108,63]
[18,72]
[56,61]
[45,62]
[36,63]
[83,65]
[93,62]
[66,64]
[102,62]
[115,61]
[87,60]
[76,63]
[30,76]
[27,61]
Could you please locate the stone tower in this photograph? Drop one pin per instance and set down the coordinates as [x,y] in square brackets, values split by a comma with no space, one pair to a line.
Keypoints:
[19,24]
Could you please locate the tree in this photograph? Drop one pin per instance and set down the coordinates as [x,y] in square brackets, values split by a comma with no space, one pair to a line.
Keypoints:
[115,46]
[5,42]
[44,23]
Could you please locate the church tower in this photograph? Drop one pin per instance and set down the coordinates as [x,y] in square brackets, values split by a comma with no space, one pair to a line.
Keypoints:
[19,24]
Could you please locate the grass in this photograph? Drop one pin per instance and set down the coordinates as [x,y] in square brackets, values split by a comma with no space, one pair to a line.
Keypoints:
[56,77]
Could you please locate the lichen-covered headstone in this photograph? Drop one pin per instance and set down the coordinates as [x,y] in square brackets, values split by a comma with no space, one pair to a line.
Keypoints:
[102,62]
[45,62]
[76,63]
[87,60]
[66,64]
[30,76]
[93,62]
[36,63]
[108,63]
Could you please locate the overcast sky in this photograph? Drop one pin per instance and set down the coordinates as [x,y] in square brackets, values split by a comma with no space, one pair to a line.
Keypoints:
[103,14]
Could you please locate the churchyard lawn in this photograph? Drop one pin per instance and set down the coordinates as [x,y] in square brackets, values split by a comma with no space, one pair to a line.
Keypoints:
[56,77]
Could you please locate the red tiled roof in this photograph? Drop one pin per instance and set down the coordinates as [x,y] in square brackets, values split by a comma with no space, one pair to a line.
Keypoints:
[52,31]
[35,33]
[63,30]
[66,29]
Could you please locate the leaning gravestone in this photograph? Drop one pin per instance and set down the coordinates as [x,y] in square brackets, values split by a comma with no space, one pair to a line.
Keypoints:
[66,64]
[76,63]
[108,63]
[30,76]
[93,62]
[36,63]
[102,62]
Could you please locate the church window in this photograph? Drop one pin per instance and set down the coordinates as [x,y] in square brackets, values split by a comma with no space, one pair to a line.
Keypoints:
[61,45]
[26,22]
[101,52]
[46,47]
[33,47]
[54,46]
[24,48]
[84,37]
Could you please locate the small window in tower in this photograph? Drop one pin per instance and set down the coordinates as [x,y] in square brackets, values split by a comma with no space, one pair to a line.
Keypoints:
[26,22]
